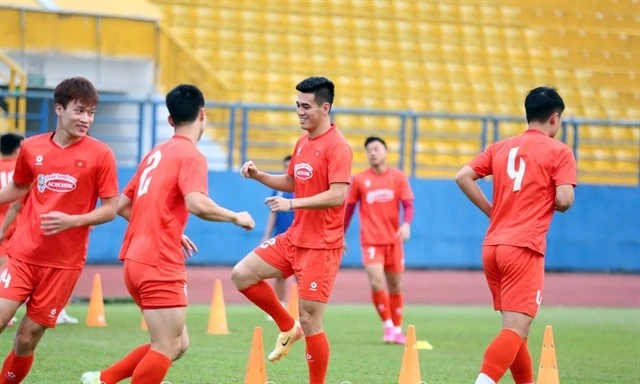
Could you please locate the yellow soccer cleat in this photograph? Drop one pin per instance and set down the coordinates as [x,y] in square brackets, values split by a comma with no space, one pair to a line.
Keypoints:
[284,342]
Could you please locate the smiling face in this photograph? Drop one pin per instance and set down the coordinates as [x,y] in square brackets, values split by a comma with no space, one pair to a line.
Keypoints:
[76,119]
[310,113]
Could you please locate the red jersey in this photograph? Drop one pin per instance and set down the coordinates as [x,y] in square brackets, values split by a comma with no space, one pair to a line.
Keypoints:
[6,175]
[11,229]
[316,164]
[68,180]
[380,196]
[159,213]
[526,170]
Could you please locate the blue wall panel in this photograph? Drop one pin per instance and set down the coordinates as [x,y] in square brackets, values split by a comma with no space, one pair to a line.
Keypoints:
[601,232]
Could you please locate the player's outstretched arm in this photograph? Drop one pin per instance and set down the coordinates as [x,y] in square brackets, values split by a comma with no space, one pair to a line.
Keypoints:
[564,197]
[55,222]
[206,209]
[333,197]
[283,182]
[124,206]
[466,179]
[12,192]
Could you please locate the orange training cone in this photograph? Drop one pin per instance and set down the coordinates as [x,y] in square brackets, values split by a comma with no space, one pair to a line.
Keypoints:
[143,324]
[95,315]
[292,303]
[256,368]
[548,369]
[218,313]
[410,369]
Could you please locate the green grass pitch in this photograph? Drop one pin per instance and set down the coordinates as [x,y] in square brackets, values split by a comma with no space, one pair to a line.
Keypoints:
[594,345]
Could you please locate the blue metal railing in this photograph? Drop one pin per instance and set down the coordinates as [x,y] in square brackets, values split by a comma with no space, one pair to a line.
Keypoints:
[142,127]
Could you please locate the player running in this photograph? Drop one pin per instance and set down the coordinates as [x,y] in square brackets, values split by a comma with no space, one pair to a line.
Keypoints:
[64,174]
[319,174]
[381,190]
[171,182]
[533,175]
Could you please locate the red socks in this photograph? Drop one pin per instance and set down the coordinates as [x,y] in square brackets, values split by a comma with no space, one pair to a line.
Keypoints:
[152,368]
[124,368]
[522,368]
[15,368]
[381,302]
[500,354]
[395,302]
[263,295]
[317,357]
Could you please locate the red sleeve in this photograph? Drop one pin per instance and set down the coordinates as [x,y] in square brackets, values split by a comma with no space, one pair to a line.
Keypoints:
[131,187]
[354,192]
[193,175]
[348,214]
[564,171]
[481,164]
[340,164]
[22,173]
[407,206]
[406,193]
[108,176]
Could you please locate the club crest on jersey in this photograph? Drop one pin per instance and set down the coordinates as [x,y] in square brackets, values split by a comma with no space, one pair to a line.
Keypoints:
[303,171]
[380,196]
[57,182]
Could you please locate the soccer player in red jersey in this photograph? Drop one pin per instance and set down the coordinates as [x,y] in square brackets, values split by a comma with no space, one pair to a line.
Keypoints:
[319,174]
[171,182]
[64,174]
[381,190]
[533,175]
[9,149]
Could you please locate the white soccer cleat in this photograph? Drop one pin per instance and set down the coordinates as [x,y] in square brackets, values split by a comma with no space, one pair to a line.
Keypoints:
[284,342]
[64,318]
[90,378]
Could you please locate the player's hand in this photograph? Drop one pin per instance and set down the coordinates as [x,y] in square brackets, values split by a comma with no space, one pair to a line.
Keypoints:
[249,170]
[345,248]
[278,204]
[404,232]
[56,222]
[188,246]
[244,220]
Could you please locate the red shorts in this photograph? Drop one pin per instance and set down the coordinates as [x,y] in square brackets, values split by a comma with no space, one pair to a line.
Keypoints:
[390,255]
[153,287]
[515,276]
[316,269]
[48,289]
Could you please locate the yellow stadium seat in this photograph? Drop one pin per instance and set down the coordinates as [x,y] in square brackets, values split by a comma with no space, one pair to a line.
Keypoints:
[438,56]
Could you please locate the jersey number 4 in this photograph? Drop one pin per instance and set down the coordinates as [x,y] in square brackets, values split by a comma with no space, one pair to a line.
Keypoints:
[514,175]
[145,179]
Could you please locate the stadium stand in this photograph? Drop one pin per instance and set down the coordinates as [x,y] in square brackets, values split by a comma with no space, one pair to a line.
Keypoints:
[474,57]
[464,57]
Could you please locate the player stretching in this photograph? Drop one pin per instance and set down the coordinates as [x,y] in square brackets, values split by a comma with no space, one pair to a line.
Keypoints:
[380,190]
[65,173]
[533,175]
[319,174]
[277,223]
[171,182]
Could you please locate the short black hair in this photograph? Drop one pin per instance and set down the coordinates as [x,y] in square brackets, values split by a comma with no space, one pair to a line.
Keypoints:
[287,158]
[9,142]
[322,88]
[541,103]
[184,103]
[371,139]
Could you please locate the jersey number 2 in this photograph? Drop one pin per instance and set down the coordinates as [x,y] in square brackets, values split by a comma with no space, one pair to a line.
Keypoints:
[514,175]
[145,179]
